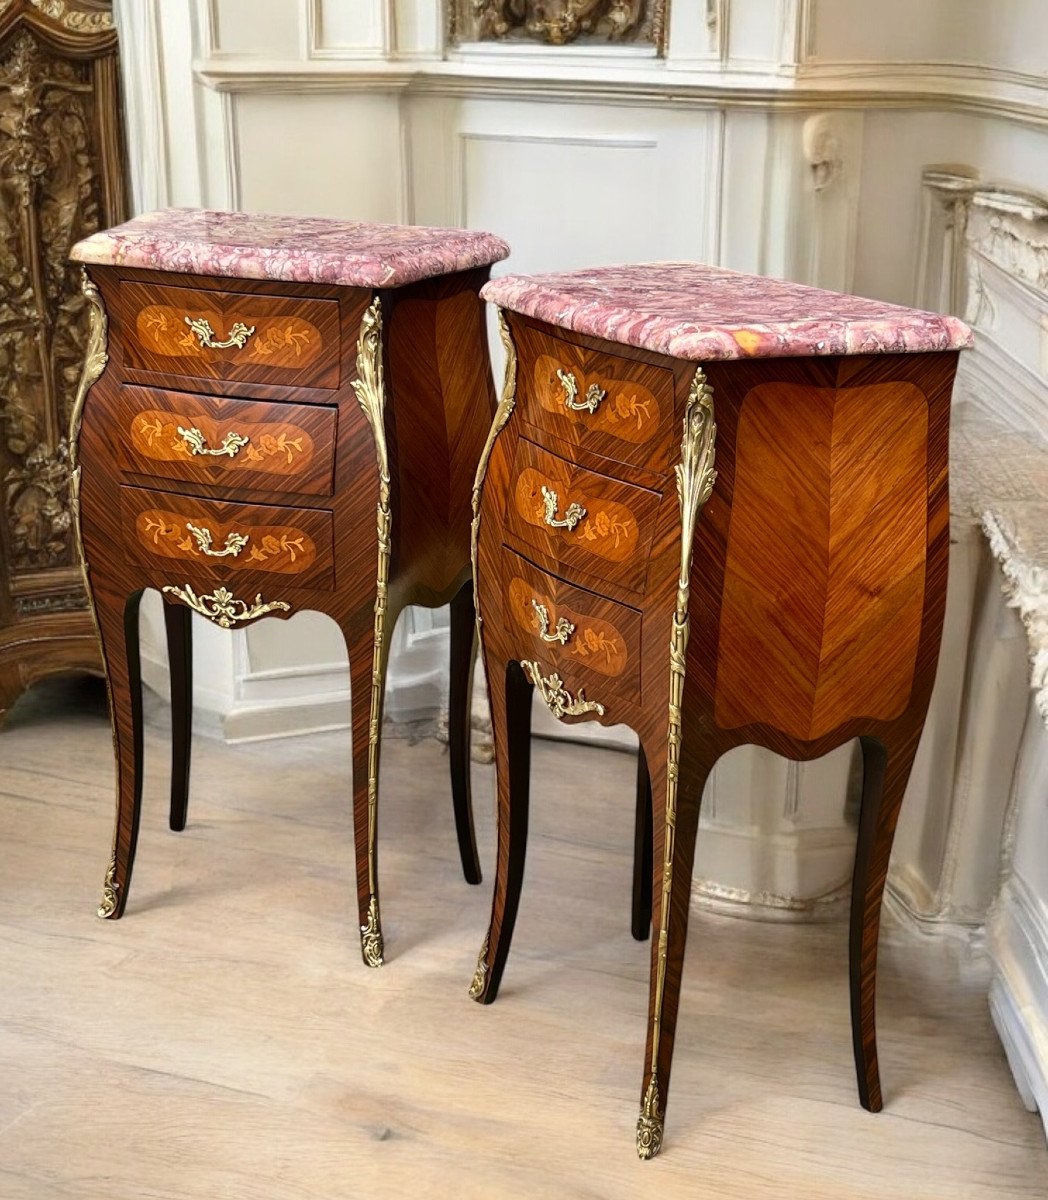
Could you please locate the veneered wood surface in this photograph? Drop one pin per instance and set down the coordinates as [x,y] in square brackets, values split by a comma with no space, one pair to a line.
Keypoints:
[448,317]
[633,423]
[295,339]
[843,564]
[825,557]
[281,541]
[611,541]
[290,449]
[605,641]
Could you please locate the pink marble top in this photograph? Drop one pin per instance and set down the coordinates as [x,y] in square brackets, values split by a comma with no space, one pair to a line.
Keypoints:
[689,311]
[240,245]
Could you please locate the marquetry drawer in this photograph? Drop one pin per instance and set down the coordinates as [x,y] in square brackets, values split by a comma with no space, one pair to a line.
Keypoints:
[233,443]
[582,521]
[618,407]
[586,637]
[230,336]
[222,542]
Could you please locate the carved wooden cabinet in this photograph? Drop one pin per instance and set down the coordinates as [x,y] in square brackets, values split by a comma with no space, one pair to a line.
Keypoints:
[789,596]
[281,414]
[61,178]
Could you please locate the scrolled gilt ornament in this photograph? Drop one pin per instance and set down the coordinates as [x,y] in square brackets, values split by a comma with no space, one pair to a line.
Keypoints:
[369,387]
[502,415]
[695,477]
[108,906]
[371,945]
[222,607]
[556,697]
[94,361]
[649,1123]
[476,987]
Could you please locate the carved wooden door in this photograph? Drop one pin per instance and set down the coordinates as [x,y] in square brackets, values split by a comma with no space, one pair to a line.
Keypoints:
[61,178]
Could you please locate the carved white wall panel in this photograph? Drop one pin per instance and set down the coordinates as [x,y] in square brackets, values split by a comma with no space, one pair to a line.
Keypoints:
[347,28]
[1007,34]
[759,34]
[328,155]
[259,28]
[567,185]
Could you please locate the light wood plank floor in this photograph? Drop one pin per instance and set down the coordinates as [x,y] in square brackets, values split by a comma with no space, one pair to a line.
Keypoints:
[224,1041]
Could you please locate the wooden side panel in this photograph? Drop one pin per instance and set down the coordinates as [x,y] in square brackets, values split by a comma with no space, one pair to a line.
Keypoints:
[824,574]
[877,553]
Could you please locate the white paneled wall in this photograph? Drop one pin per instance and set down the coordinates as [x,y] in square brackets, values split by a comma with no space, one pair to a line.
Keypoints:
[786,137]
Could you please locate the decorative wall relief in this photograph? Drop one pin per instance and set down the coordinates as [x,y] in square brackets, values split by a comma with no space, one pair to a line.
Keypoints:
[61,178]
[558,22]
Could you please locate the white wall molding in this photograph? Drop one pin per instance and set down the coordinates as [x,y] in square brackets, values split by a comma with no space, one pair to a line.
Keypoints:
[621,79]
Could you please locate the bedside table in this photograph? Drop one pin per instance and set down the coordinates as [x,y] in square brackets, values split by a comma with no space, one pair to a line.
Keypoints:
[290,418]
[803,609]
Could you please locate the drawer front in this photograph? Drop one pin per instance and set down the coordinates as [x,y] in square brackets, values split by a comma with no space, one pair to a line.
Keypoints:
[234,443]
[231,336]
[584,521]
[218,541]
[616,407]
[584,637]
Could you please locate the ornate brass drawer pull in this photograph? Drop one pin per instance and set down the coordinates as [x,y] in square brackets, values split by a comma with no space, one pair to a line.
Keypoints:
[551,502]
[556,697]
[235,542]
[231,446]
[564,628]
[594,393]
[238,335]
[222,607]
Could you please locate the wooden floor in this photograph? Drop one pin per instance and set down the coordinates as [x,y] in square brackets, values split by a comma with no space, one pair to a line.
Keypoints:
[224,1041]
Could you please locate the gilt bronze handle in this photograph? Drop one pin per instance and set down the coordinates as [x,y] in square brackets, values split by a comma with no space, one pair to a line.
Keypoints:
[238,335]
[594,393]
[235,542]
[573,514]
[562,631]
[231,446]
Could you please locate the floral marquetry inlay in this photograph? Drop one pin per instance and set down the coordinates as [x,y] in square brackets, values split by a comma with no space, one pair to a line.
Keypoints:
[282,341]
[558,22]
[608,529]
[279,449]
[265,547]
[594,642]
[627,410]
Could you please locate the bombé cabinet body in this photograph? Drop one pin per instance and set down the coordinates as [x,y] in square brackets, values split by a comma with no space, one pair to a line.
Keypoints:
[740,541]
[285,416]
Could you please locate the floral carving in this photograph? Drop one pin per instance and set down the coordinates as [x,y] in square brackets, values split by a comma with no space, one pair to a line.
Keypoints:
[558,22]
[50,197]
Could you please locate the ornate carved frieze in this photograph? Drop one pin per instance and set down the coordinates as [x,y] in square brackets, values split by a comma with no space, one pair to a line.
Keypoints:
[558,22]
